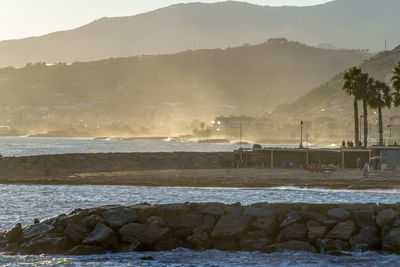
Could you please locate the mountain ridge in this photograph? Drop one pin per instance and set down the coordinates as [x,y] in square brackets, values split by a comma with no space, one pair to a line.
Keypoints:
[208,26]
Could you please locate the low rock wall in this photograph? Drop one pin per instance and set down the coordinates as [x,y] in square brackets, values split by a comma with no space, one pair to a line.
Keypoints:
[68,164]
[324,228]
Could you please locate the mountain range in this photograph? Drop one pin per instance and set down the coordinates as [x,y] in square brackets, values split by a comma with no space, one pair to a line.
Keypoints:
[246,79]
[363,24]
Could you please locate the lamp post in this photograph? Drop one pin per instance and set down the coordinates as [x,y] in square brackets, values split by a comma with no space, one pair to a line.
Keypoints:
[301,134]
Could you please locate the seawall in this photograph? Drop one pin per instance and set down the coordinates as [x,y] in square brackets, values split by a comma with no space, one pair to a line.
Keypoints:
[322,228]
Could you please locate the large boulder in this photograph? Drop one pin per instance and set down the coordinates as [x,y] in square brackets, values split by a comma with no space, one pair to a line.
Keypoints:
[14,234]
[291,218]
[101,235]
[169,244]
[315,230]
[207,224]
[186,221]
[156,220]
[76,232]
[343,230]
[367,239]
[332,246]
[269,225]
[49,243]
[258,212]
[255,241]
[230,226]
[364,217]
[35,230]
[391,241]
[339,214]
[294,245]
[117,217]
[92,220]
[199,240]
[81,250]
[146,234]
[212,210]
[387,216]
[295,231]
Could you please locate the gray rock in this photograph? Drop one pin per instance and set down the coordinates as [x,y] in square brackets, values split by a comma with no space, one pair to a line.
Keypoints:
[291,218]
[294,245]
[36,230]
[230,226]
[295,231]
[76,232]
[92,220]
[14,234]
[101,235]
[81,250]
[236,210]
[365,217]
[343,230]
[226,245]
[183,233]
[213,210]
[269,225]
[207,225]
[50,243]
[367,239]
[258,212]
[255,241]
[339,214]
[186,221]
[391,242]
[199,240]
[387,216]
[147,234]
[316,230]
[117,217]
[156,220]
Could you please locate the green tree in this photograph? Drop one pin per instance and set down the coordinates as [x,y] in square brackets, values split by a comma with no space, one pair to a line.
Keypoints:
[396,85]
[380,97]
[366,84]
[352,88]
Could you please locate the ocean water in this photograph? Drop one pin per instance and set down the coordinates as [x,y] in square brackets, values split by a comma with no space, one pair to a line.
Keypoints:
[23,203]
[27,146]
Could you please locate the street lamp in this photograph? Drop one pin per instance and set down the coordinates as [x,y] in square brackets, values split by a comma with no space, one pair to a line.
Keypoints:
[301,134]
[362,116]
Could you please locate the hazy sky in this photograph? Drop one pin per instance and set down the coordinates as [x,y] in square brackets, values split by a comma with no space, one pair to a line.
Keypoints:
[23,18]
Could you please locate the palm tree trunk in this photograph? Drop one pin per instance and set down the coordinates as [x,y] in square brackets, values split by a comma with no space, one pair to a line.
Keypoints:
[356,129]
[380,126]
[365,109]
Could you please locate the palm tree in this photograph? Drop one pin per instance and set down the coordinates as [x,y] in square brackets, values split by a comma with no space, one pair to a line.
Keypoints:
[366,84]
[352,88]
[380,97]
[396,85]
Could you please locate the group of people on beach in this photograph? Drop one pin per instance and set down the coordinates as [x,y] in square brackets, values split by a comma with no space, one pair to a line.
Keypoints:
[350,144]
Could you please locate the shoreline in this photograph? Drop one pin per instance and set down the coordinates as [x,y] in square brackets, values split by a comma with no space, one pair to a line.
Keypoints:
[220,178]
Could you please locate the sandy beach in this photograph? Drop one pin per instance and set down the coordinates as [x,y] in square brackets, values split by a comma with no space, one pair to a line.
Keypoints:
[342,179]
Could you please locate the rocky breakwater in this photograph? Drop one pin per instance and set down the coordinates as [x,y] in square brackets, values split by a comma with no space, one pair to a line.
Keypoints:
[69,164]
[324,228]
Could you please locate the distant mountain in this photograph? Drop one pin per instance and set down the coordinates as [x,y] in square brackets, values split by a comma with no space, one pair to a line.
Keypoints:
[247,79]
[330,100]
[343,23]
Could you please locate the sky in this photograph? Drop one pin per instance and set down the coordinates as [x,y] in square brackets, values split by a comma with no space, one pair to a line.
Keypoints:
[24,18]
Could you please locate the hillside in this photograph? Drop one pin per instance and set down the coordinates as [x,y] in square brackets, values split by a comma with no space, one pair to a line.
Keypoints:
[363,24]
[329,98]
[247,79]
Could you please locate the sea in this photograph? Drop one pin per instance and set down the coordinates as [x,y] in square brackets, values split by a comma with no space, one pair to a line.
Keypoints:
[23,203]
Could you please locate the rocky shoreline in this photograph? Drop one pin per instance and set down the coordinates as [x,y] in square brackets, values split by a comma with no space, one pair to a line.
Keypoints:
[323,228]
